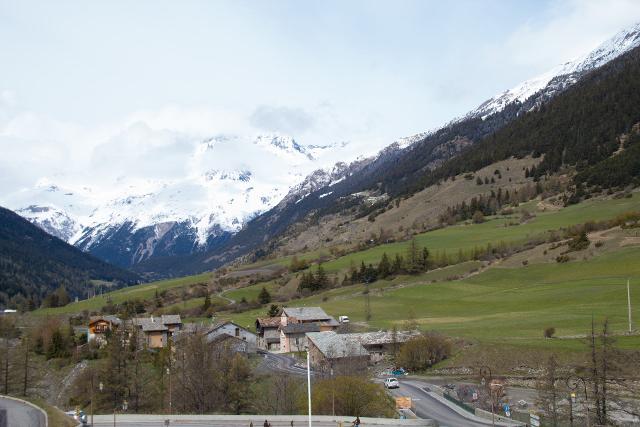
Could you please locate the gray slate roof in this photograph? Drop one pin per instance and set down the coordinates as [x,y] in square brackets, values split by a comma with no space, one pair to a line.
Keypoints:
[382,337]
[306,313]
[300,328]
[171,319]
[150,324]
[334,346]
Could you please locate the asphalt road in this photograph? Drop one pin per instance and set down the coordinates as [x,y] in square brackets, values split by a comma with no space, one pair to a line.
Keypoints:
[20,414]
[426,406]
[281,363]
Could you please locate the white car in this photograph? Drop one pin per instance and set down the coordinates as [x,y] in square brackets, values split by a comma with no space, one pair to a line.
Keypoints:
[391,383]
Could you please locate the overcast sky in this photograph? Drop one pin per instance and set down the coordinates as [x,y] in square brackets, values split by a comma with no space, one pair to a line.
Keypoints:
[75,74]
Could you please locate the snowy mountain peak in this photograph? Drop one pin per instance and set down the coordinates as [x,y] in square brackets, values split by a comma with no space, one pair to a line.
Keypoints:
[563,75]
[283,144]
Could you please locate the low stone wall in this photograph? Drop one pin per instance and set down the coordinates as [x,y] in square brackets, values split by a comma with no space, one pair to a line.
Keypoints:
[258,420]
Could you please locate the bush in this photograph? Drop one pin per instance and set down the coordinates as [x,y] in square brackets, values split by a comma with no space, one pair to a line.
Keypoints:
[549,332]
[562,258]
[349,396]
[478,217]
[579,242]
[423,352]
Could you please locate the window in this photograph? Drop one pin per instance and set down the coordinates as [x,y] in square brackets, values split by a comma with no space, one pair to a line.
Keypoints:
[237,332]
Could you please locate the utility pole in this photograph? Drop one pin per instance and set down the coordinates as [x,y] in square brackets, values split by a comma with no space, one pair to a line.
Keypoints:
[629,304]
[309,384]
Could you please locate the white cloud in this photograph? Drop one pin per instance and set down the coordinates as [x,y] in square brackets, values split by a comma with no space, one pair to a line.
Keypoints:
[293,121]
[573,28]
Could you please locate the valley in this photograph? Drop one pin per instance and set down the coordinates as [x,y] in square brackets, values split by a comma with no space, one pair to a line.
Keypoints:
[488,301]
[229,264]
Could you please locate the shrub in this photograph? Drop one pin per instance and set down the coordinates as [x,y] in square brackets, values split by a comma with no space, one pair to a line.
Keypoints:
[549,332]
[423,352]
[579,242]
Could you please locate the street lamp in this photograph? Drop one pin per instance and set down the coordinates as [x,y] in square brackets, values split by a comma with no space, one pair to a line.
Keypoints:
[169,374]
[306,348]
[92,387]
[572,383]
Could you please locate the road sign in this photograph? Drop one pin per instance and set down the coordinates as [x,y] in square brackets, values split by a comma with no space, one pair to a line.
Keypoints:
[507,409]
[534,420]
[403,403]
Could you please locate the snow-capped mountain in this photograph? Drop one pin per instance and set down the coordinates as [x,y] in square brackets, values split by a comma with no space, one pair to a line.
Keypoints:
[562,76]
[224,181]
[138,219]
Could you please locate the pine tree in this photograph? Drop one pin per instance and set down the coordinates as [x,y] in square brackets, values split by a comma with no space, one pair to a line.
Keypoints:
[207,302]
[264,297]
[398,264]
[320,280]
[384,266]
[425,258]
[413,257]
[274,310]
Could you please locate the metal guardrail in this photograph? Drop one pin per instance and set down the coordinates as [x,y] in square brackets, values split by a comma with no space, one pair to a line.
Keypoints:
[460,403]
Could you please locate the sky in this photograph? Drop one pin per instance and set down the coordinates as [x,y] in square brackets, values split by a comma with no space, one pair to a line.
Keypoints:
[81,79]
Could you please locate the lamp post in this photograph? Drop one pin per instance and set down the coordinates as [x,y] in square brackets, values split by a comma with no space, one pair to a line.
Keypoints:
[92,386]
[169,374]
[572,383]
[100,387]
[308,382]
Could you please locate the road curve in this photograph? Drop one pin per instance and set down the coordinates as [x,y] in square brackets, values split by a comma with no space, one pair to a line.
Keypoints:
[282,363]
[426,406]
[21,414]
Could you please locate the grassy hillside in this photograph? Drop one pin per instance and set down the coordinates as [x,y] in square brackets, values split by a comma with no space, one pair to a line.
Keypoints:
[506,301]
[495,230]
[142,292]
[509,305]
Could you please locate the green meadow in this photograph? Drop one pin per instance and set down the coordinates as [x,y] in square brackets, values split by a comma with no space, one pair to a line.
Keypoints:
[509,305]
[141,292]
[469,236]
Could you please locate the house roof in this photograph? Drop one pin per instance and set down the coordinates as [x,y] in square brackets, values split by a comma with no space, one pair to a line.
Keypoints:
[330,322]
[109,318]
[306,313]
[171,319]
[382,337]
[334,346]
[268,322]
[220,324]
[149,324]
[300,328]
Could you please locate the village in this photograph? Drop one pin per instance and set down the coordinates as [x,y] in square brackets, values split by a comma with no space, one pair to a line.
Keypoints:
[330,343]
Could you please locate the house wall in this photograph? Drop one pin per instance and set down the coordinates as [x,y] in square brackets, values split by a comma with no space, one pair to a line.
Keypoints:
[269,333]
[292,342]
[316,358]
[156,339]
[234,331]
[173,327]
[98,329]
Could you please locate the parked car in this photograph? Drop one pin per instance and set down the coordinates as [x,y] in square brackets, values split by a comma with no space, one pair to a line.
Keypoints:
[391,383]
[343,319]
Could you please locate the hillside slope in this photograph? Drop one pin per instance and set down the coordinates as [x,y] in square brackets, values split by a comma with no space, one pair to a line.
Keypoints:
[577,126]
[33,263]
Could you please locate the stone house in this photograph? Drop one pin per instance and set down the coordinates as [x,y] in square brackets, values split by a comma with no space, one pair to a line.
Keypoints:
[268,333]
[233,330]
